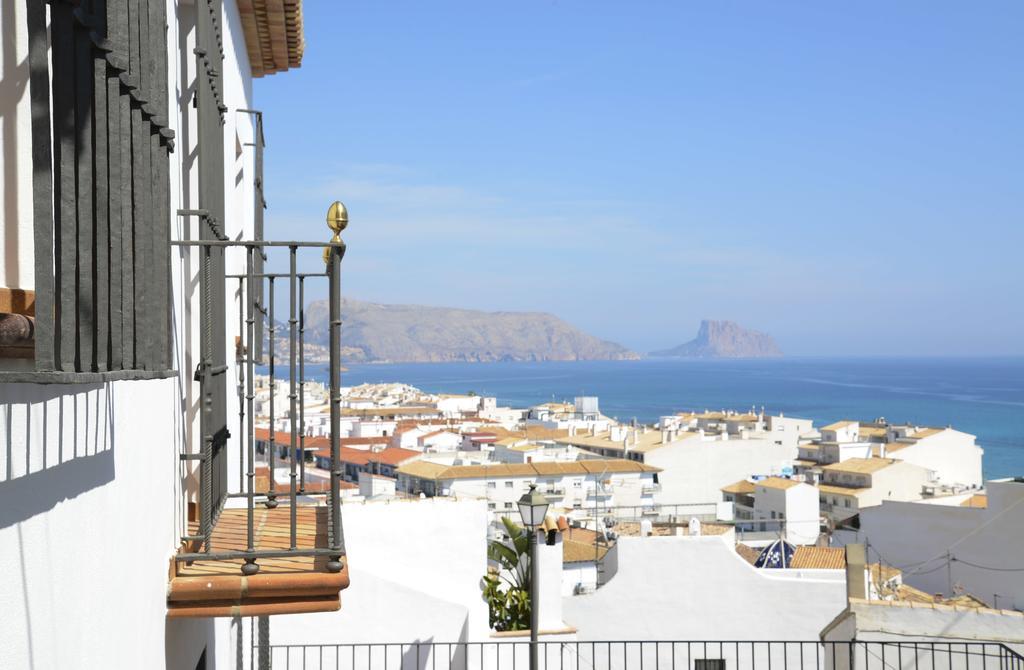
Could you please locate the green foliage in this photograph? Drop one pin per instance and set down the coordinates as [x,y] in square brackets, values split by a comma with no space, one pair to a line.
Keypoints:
[507,589]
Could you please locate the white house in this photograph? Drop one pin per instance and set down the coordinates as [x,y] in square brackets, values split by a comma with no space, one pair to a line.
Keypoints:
[857,483]
[695,465]
[792,505]
[575,485]
[950,455]
[439,440]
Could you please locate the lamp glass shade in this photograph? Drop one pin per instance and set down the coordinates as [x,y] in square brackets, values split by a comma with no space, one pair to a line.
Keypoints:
[533,507]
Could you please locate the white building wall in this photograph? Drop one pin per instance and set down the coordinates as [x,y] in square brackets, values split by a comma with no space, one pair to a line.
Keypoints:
[88,523]
[899,481]
[795,509]
[788,429]
[695,470]
[625,489]
[684,588]
[395,595]
[907,533]
[574,574]
[952,455]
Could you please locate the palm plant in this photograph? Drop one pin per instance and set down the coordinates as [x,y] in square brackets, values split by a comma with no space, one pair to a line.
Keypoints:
[507,587]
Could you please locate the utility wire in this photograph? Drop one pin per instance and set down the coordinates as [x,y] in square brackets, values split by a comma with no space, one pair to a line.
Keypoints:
[986,567]
[945,551]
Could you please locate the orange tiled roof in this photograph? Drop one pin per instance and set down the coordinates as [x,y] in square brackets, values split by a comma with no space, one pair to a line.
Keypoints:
[819,558]
[387,456]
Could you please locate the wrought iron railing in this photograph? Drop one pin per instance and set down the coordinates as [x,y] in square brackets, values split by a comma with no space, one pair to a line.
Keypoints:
[212,372]
[648,655]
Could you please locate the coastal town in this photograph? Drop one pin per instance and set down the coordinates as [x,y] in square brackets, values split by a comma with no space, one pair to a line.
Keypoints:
[757,481]
[190,480]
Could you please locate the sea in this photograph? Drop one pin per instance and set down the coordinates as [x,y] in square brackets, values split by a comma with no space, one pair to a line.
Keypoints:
[981,396]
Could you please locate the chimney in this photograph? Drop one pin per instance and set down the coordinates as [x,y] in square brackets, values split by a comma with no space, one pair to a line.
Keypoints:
[665,436]
[856,572]
[881,450]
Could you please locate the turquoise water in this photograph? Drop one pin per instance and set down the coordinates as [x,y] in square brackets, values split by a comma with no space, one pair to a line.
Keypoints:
[982,396]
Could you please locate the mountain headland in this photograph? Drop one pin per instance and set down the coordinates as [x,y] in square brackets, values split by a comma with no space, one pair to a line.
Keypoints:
[378,333]
[724,339]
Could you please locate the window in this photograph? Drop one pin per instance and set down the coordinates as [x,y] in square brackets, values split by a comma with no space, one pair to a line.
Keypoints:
[491,505]
[846,502]
[491,485]
[508,505]
[773,514]
[709,664]
[101,188]
[509,485]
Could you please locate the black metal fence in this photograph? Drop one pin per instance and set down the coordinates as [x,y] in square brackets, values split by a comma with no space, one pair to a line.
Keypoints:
[651,655]
[212,376]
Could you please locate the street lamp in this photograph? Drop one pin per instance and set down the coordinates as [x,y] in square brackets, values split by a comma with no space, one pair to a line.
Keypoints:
[533,507]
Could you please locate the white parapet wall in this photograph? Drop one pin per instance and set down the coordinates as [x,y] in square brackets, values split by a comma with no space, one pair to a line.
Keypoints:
[416,569]
[698,588]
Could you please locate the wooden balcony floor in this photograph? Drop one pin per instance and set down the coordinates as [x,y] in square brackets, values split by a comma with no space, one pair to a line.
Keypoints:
[283,585]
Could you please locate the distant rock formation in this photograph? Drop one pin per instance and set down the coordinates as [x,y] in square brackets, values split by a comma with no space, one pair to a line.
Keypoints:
[378,333]
[724,339]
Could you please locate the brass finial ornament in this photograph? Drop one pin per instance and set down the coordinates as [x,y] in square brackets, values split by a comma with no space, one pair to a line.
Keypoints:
[337,221]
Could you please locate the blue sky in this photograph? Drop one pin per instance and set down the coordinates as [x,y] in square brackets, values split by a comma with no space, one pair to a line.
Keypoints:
[847,177]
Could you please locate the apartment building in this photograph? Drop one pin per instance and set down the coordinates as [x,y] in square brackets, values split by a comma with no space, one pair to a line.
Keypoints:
[695,464]
[857,483]
[568,485]
[952,457]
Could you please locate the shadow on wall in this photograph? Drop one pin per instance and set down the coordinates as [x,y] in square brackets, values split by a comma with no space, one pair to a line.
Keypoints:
[57,441]
[191,644]
[418,654]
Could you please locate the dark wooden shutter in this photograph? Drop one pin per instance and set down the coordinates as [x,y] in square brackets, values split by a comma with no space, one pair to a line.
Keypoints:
[102,211]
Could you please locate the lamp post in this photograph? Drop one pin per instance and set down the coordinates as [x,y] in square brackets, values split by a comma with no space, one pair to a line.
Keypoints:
[533,507]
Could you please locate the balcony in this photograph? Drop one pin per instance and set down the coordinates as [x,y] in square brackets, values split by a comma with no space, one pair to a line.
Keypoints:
[287,581]
[650,489]
[554,492]
[265,548]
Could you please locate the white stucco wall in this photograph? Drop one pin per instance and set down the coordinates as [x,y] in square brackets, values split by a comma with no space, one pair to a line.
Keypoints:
[907,533]
[88,494]
[695,469]
[415,571]
[951,454]
[686,588]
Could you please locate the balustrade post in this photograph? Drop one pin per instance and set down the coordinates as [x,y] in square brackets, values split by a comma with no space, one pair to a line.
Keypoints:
[293,445]
[337,220]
